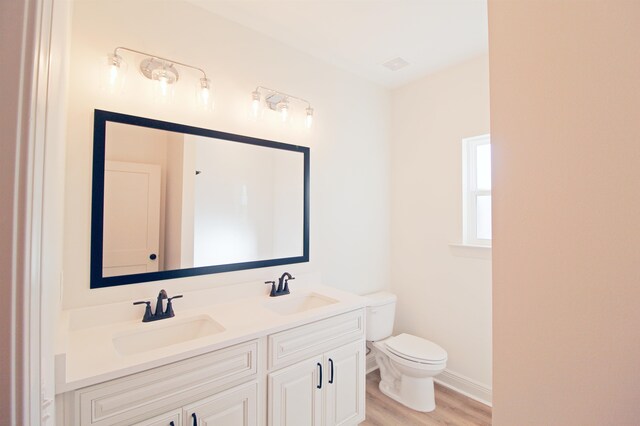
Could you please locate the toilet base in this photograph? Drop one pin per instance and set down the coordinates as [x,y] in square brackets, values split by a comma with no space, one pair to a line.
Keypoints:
[415,393]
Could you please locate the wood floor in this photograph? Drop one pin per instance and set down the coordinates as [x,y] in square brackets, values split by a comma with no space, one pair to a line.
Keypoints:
[452,408]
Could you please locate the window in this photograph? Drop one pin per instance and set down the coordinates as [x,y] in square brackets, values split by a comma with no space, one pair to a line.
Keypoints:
[476,166]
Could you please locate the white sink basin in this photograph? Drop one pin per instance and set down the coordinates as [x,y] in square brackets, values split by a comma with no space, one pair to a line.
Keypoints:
[165,333]
[291,304]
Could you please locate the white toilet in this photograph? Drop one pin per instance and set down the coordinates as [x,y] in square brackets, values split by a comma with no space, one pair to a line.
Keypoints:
[407,363]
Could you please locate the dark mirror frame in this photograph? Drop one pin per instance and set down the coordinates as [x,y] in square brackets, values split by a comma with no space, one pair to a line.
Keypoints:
[97,202]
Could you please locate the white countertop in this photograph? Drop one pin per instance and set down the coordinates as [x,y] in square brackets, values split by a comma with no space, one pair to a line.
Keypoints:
[86,354]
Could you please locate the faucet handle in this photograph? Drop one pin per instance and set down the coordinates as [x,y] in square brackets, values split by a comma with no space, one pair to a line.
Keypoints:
[285,290]
[147,311]
[273,287]
[169,312]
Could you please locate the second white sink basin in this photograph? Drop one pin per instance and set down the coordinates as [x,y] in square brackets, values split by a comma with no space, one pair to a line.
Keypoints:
[291,304]
[165,333]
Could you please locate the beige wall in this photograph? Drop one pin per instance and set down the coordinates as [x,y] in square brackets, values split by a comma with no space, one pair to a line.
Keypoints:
[565,124]
[349,141]
[444,292]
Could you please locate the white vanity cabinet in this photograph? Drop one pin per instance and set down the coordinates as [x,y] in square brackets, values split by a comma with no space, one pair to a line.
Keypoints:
[326,389]
[205,382]
[271,380]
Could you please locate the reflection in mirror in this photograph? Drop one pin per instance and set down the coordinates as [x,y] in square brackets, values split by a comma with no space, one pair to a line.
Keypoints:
[178,201]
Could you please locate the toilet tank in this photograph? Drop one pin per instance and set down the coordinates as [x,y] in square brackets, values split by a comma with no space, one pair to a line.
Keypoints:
[381,311]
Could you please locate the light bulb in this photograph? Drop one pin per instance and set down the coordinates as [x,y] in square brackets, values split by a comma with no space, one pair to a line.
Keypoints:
[255,103]
[115,73]
[164,78]
[309,118]
[205,100]
[284,110]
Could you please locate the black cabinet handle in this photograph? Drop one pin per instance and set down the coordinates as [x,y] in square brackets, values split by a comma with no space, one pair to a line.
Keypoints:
[331,377]
[171,423]
[153,256]
[320,381]
[195,419]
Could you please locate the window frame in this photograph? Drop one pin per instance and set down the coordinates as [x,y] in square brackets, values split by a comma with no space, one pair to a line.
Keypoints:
[470,192]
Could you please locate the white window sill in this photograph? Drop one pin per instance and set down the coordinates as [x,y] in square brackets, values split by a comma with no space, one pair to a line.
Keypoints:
[469,250]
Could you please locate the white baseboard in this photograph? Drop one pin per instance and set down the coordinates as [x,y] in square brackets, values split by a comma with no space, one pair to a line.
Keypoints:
[465,386]
[451,380]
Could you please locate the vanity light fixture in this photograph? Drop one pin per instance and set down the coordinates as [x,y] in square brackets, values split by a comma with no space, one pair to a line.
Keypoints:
[279,102]
[162,71]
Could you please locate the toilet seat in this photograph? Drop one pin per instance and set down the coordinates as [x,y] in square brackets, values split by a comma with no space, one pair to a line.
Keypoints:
[416,349]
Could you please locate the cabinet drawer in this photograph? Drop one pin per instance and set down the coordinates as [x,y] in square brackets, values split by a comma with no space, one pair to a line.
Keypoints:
[173,418]
[133,398]
[309,340]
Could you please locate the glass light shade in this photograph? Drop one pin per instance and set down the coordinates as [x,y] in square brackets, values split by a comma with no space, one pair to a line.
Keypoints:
[283,108]
[163,83]
[255,103]
[204,96]
[115,71]
[309,118]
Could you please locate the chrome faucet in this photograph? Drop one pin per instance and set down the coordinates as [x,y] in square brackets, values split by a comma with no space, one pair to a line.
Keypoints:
[159,313]
[283,285]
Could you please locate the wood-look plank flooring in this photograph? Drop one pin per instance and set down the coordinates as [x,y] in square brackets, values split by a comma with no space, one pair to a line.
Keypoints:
[452,408]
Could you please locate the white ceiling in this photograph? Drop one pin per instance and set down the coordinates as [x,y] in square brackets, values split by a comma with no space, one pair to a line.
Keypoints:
[361,35]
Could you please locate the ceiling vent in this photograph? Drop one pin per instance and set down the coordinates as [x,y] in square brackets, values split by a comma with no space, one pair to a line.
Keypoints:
[395,64]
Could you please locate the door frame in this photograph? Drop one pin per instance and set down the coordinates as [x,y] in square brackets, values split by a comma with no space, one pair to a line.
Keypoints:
[27,52]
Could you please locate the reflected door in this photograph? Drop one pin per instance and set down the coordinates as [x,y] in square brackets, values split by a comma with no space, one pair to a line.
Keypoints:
[131,218]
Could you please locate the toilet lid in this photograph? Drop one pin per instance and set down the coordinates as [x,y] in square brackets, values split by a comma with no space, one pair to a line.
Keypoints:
[416,348]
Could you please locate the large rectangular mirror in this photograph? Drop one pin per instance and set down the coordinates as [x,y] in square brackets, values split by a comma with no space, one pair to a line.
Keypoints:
[173,201]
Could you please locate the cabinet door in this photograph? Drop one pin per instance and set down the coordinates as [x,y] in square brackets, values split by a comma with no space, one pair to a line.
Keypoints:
[345,380]
[295,394]
[172,418]
[235,407]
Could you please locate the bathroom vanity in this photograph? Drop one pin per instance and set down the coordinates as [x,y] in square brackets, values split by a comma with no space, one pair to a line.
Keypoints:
[232,355]
[247,359]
